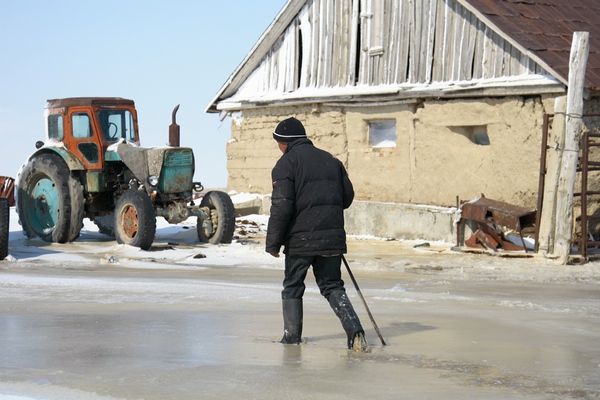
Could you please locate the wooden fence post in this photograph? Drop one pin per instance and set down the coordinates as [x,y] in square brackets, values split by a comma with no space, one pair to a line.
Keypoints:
[568,169]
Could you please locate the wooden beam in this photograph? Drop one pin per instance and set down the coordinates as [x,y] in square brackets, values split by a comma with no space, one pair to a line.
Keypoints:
[566,182]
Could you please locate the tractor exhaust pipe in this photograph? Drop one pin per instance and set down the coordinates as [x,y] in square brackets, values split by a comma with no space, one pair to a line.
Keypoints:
[174,130]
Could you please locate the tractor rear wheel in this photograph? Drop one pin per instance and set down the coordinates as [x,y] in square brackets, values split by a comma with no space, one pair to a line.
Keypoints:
[45,200]
[4,224]
[135,222]
[219,227]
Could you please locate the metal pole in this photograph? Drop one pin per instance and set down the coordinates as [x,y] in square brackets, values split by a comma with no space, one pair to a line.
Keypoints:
[363,300]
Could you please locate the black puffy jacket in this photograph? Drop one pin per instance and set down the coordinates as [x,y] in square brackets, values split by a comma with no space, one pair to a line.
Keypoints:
[311,189]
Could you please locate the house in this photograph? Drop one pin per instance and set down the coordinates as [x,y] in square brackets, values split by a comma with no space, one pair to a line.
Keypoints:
[424,101]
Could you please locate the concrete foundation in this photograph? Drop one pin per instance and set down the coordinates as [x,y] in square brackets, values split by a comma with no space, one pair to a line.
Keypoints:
[382,220]
[401,221]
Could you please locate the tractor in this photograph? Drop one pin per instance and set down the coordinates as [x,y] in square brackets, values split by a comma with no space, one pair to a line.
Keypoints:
[92,166]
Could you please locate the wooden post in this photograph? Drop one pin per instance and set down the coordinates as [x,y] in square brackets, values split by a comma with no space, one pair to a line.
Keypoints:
[556,139]
[568,170]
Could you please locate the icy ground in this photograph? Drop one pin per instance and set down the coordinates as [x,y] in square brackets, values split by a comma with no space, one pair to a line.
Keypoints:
[178,247]
[96,320]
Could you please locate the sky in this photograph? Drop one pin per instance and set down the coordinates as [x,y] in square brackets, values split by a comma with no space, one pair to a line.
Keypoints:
[157,53]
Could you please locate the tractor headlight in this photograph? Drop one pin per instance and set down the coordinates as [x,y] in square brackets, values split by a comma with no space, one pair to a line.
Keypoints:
[153,180]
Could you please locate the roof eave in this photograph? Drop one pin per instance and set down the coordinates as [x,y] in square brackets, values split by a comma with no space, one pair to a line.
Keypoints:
[392,95]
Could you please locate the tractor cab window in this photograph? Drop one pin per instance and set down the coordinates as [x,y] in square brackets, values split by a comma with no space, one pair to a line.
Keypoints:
[81,124]
[55,127]
[116,125]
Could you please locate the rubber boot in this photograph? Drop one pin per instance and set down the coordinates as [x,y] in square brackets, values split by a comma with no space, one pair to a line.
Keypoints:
[292,321]
[339,302]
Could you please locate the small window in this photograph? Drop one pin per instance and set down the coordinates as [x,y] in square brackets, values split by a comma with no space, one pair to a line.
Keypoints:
[81,126]
[89,151]
[55,127]
[476,133]
[382,134]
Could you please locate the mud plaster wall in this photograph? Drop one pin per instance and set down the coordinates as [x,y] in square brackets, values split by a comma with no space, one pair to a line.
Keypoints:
[434,159]
[252,152]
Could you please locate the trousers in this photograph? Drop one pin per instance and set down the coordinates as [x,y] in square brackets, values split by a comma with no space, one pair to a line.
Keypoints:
[327,273]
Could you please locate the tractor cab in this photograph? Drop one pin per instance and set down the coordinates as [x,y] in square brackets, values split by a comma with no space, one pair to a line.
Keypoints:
[87,126]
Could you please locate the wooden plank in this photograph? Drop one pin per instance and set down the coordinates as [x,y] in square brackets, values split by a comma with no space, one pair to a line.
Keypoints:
[354,41]
[499,55]
[350,43]
[516,66]
[316,51]
[403,36]
[455,43]
[440,42]
[469,49]
[297,60]
[327,15]
[340,35]
[365,32]
[393,48]
[291,60]
[308,49]
[489,54]
[478,58]
[414,40]
[463,73]
[417,59]
[507,58]
[388,56]
[317,27]
[376,47]
[335,32]
[431,29]
[306,35]
[321,44]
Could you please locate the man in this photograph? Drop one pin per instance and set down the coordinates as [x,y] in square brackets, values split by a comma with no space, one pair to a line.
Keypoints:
[311,189]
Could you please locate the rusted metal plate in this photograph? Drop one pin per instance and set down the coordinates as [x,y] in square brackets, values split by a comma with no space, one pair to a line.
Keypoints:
[7,189]
[499,213]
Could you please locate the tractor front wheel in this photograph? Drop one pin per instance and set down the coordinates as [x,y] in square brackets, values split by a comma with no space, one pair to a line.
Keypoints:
[135,222]
[219,226]
[4,224]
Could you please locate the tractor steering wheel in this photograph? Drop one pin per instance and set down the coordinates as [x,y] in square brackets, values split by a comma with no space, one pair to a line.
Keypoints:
[113,135]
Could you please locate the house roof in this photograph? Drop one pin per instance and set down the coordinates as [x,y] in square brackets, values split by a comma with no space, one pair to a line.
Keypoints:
[544,29]
[541,29]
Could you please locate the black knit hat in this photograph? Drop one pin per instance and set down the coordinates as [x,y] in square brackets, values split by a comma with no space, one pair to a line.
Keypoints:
[289,130]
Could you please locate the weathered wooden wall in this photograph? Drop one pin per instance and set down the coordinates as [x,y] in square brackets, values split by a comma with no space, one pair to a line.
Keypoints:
[341,43]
